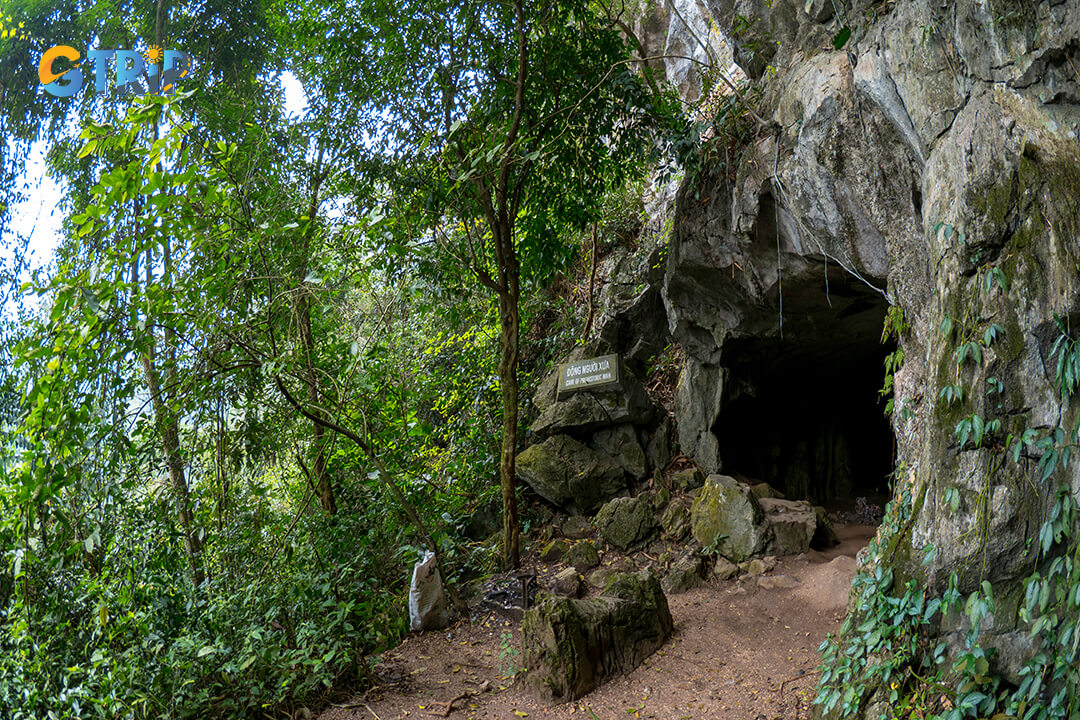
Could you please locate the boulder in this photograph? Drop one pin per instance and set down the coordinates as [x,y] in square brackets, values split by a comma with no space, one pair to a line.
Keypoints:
[572,646]
[726,516]
[566,582]
[585,411]
[572,476]
[620,443]
[724,569]
[583,556]
[688,479]
[598,578]
[626,522]
[753,567]
[824,535]
[685,574]
[577,527]
[553,552]
[765,490]
[777,582]
[675,522]
[793,523]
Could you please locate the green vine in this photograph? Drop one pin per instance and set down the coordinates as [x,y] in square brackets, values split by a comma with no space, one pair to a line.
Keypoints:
[895,326]
[889,659]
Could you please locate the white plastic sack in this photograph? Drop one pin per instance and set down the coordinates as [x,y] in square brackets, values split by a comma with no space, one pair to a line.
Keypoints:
[427,602]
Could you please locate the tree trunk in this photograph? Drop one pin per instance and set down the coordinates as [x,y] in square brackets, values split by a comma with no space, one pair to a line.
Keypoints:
[169,431]
[318,432]
[509,320]
[307,341]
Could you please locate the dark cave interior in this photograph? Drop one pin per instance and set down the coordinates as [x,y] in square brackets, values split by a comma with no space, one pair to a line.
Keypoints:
[804,414]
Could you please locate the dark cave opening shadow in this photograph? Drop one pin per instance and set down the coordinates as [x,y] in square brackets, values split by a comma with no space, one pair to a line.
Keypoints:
[809,420]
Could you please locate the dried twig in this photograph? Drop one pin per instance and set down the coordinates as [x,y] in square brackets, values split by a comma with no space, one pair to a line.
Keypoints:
[449,705]
[800,676]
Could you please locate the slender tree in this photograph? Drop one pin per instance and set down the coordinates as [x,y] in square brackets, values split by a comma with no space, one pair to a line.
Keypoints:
[496,128]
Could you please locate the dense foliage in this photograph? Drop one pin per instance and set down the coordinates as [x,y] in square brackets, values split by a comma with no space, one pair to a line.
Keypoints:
[263,372]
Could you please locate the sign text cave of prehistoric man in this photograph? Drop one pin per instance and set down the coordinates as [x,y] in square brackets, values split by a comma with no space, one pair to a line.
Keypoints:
[599,373]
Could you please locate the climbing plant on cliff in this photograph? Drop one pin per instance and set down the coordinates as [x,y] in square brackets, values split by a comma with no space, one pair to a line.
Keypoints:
[495,128]
[890,655]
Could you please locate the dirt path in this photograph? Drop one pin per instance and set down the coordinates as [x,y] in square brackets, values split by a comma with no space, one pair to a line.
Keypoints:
[740,652]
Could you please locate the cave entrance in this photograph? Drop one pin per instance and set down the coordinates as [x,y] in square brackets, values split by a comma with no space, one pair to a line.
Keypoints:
[805,414]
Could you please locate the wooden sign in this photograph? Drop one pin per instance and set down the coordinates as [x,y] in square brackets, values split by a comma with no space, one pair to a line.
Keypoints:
[599,373]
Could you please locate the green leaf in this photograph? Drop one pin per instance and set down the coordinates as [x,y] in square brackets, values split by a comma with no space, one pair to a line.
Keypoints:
[946,325]
[976,352]
[841,38]
[205,650]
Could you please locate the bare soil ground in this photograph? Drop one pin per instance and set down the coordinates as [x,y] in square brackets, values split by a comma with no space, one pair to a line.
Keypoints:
[739,652]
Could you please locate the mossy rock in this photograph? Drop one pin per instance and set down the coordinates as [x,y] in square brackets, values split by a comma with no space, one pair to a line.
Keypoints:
[688,479]
[685,574]
[572,646]
[583,556]
[626,522]
[675,521]
[570,475]
[726,516]
[554,551]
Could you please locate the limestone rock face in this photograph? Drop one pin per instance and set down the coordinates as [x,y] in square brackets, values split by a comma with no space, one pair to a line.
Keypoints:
[620,443]
[727,514]
[585,412]
[793,524]
[572,646]
[626,522]
[933,172]
[693,41]
[575,477]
